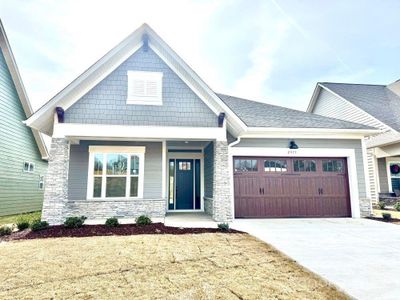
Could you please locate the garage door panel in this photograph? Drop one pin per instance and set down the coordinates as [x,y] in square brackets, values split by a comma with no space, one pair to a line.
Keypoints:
[277,190]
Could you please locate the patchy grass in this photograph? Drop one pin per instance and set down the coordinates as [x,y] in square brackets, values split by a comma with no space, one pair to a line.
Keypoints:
[13,218]
[198,266]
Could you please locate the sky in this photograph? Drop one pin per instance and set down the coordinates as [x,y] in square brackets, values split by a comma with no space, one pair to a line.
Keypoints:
[268,50]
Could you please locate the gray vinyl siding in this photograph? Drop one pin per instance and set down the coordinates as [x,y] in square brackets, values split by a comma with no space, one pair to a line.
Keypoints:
[79,160]
[382,172]
[317,143]
[106,102]
[209,170]
[19,190]
[329,105]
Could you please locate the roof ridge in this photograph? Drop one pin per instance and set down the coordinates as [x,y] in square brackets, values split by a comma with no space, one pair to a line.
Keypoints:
[347,83]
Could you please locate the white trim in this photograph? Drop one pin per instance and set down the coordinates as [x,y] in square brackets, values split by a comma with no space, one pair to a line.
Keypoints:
[365,164]
[263,132]
[119,149]
[306,152]
[164,170]
[104,150]
[87,131]
[19,86]
[389,160]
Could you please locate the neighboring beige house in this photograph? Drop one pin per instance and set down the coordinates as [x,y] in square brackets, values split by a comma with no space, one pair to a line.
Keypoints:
[373,105]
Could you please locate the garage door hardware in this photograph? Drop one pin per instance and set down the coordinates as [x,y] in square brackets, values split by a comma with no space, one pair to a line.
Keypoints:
[262,191]
[320,191]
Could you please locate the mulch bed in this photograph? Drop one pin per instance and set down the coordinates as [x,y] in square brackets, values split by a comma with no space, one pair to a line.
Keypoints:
[392,221]
[102,230]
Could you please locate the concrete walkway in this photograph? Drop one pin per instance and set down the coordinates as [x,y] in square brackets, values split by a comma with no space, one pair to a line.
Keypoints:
[360,256]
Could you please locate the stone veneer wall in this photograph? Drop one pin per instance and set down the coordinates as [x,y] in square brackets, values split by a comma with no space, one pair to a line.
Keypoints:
[221,204]
[103,209]
[56,182]
[208,206]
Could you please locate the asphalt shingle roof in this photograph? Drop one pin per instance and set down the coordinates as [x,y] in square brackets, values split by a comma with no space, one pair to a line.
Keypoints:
[257,114]
[377,100]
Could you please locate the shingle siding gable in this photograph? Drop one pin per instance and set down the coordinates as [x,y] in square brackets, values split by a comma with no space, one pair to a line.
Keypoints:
[19,190]
[106,102]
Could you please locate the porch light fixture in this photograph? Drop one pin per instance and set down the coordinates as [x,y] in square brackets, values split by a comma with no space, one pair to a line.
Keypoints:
[293,145]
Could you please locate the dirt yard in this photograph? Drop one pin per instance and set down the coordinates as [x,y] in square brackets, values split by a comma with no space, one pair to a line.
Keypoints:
[198,266]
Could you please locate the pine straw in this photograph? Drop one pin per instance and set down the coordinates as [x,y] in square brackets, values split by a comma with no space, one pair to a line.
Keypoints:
[198,266]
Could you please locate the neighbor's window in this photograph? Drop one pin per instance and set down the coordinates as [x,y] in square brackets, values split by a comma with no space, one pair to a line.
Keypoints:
[246,165]
[29,167]
[116,174]
[304,165]
[41,182]
[144,88]
[333,165]
[275,166]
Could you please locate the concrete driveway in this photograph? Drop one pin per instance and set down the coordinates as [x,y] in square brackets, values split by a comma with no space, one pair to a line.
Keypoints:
[360,256]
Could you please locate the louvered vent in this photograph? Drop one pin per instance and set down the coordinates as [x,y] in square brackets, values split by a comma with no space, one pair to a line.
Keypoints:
[144,88]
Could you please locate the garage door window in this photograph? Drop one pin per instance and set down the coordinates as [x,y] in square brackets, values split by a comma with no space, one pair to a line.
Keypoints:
[246,165]
[304,165]
[275,166]
[332,165]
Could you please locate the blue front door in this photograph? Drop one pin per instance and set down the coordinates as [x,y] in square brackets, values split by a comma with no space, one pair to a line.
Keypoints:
[184,184]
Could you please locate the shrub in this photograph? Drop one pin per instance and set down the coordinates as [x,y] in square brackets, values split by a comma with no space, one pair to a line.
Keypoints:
[386,216]
[5,230]
[143,220]
[381,204]
[22,224]
[223,226]
[112,222]
[397,206]
[39,225]
[74,222]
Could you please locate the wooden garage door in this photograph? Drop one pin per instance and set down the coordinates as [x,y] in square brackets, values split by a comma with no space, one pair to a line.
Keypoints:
[291,187]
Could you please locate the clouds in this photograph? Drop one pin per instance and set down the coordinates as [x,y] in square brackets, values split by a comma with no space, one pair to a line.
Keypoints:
[272,50]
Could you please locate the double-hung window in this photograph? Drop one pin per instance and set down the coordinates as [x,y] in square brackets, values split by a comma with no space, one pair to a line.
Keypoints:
[115,172]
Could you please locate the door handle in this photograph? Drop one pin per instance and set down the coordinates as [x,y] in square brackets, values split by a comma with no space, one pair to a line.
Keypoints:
[263,191]
[322,191]
[319,191]
[260,191]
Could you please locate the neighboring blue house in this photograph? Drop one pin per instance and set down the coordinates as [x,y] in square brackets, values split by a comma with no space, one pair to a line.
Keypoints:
[140,132]
[23,153]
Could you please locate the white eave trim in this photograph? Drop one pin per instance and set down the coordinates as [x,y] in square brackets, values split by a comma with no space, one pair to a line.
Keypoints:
[19,86]
[119,132]
[267,132]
